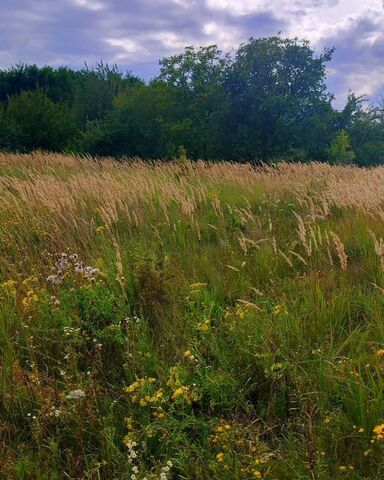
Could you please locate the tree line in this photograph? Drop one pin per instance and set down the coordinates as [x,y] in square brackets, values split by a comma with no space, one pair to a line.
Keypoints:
[268,100]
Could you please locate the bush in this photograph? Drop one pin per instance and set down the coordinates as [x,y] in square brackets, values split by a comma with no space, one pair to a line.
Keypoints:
[42,123]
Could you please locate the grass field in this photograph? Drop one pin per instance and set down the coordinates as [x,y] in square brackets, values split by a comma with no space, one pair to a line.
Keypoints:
[190,321]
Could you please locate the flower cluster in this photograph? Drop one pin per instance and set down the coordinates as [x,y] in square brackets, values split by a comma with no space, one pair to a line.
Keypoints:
[165,470]
[143,392]
[379,432]
[29,300]
[230,441]
[190,357]
[203,326]
[75,394]
[179,391]
[66,262]
[9,287]
[133,454]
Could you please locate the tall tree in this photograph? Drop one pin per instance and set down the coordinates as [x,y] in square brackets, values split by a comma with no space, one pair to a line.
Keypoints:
[197,99]
[275,86]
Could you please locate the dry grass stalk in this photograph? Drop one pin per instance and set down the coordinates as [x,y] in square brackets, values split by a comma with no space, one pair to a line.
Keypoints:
[379,247]
[340,250]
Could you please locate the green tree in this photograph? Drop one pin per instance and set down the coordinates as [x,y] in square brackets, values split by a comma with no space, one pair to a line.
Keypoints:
[276,87]
[197,100]
[366,132]
[97,88]
[10,135]
[41,122]
[132,128]
[340,150]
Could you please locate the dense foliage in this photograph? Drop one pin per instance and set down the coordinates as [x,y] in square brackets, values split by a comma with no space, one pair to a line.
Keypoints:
[268,100]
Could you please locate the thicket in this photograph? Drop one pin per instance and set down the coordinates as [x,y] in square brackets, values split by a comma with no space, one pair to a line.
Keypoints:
[266,101]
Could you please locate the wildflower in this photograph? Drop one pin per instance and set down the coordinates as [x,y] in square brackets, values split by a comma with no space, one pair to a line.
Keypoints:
[276,366]
[203,326]
[55,279]
[101,228]
[9,286]
[79,267]
[55,301]
[29,280]
[29,299]
[62,263]
[187,353]
[380,353]
[181,391]
[129,422]
[90,272]
[379,432]
[279,310]
[220,457]
[76,394]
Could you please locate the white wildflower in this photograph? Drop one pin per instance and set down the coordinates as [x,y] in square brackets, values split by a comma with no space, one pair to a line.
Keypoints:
[55,279]
[79,267]
[76,394]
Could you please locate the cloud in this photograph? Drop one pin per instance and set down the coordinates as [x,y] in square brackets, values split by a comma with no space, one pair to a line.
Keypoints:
[359,56]
[137,33]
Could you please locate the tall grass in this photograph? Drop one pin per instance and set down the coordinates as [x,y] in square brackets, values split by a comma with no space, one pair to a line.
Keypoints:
[194,321]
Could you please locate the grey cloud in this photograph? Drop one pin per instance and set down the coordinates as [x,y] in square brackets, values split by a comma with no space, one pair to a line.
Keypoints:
[358,59]
[136,33]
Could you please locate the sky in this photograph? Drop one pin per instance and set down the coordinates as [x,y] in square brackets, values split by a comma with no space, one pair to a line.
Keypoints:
[135,34]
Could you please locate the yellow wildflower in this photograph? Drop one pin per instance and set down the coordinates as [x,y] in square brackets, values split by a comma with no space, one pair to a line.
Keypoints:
[379,432]
[180,391]
[220,457]
[9,286]
[203,326]
[129,422]
[279,310]
[29,299]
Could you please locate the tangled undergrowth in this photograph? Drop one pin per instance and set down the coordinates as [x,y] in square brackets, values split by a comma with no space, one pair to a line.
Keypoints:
[195,321]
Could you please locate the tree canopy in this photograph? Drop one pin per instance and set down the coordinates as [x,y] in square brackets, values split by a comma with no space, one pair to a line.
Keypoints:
[268,100]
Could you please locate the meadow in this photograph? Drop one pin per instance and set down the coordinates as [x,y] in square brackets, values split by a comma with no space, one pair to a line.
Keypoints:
[190,320]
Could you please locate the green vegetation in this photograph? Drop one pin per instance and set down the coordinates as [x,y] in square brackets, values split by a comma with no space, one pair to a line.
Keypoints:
[266,101]
[190,320]
[340,150]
